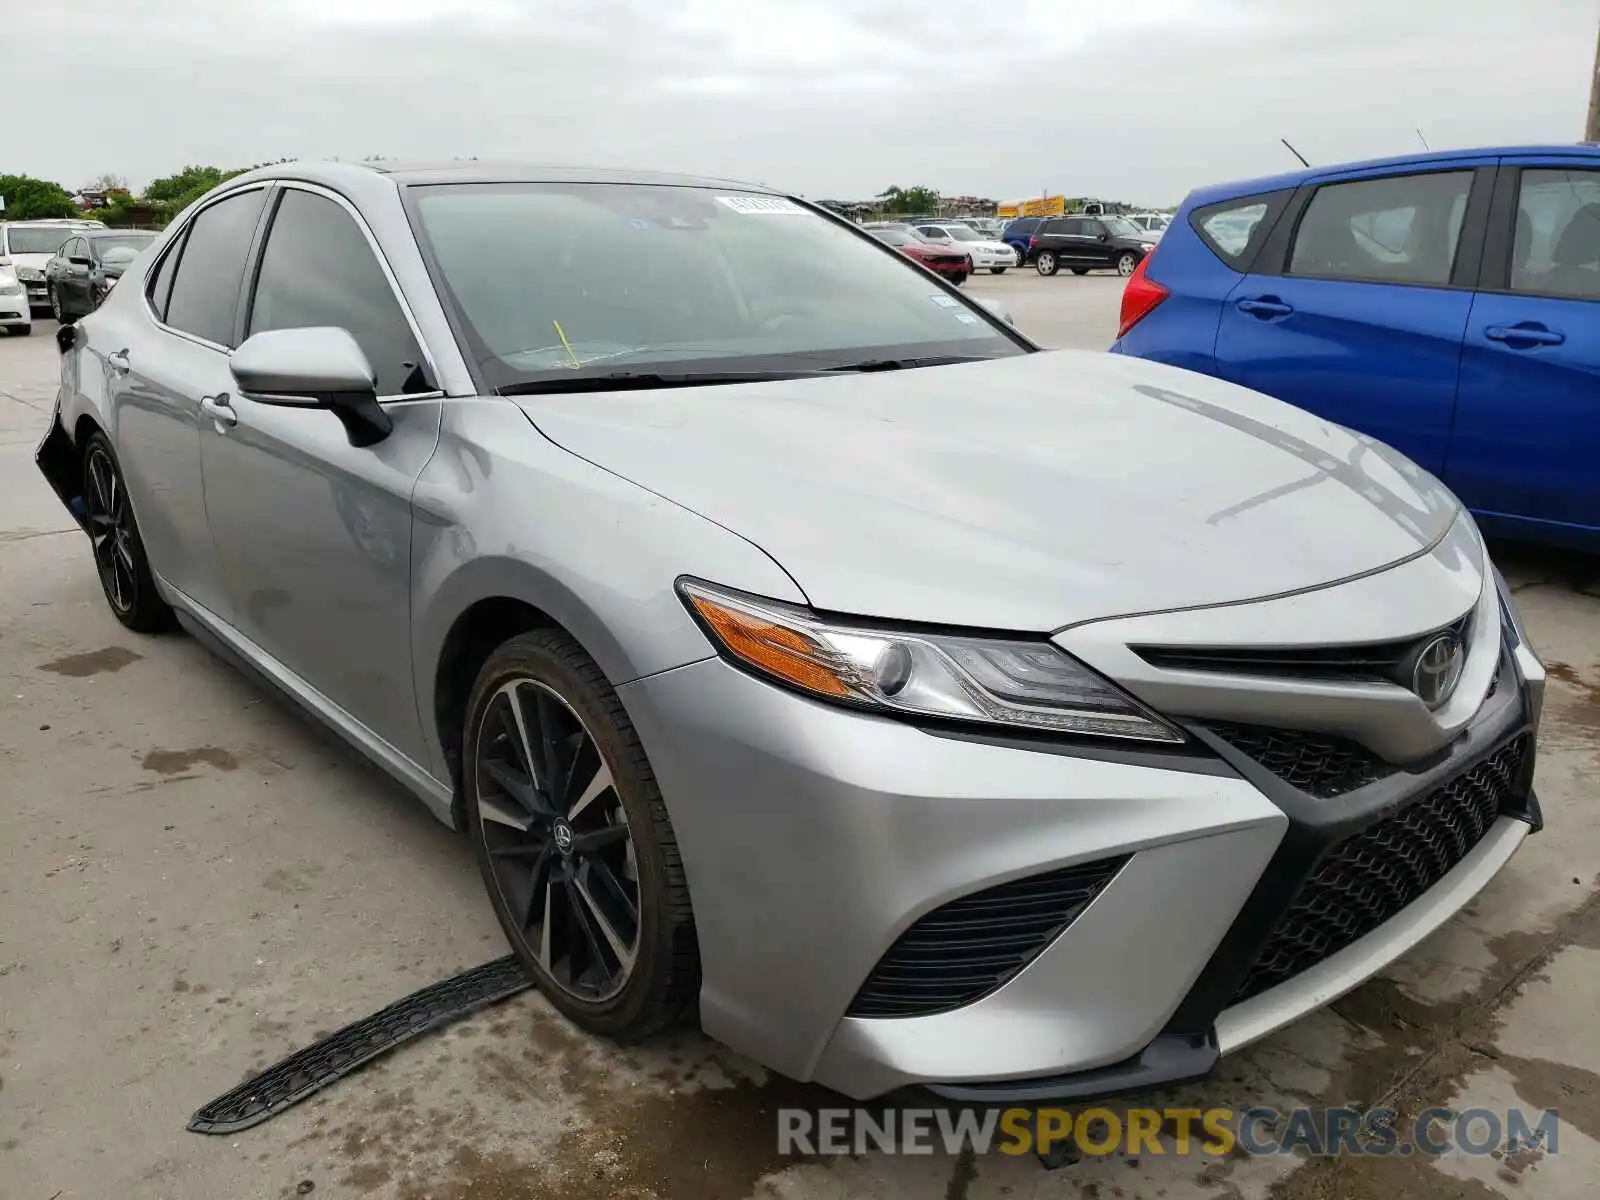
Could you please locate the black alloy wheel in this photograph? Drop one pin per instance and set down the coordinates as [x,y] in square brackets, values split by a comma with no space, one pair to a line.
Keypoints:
[119,556]
[574,842]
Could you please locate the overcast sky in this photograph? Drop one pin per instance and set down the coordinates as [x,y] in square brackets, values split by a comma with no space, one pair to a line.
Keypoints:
[1127,99]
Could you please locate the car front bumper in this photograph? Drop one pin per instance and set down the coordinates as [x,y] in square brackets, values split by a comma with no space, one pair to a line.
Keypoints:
[817,840]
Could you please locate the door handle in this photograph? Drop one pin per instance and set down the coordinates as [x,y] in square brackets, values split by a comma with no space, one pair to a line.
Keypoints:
[117,360]
[219,410]
[1265,307]
[1530,334]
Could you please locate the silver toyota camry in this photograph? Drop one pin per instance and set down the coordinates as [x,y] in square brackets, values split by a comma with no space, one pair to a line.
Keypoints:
[802,650]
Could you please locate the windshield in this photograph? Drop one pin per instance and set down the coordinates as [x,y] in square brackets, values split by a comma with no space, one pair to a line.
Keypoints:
[964,233]
[122,248]
[36,239]
[893,237]
[548,280]
[1121,228]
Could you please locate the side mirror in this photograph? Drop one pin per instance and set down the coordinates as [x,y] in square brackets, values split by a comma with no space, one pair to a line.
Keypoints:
[1103,236]
[998,309]
[320,367]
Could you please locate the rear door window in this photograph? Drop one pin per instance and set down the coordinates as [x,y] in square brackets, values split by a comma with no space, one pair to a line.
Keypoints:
[205,291]
[161,280]
[1398,229]
[1556,248]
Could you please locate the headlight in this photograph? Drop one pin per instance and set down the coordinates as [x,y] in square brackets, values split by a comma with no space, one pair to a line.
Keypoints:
[995,681]
[1147,246]
[10,289]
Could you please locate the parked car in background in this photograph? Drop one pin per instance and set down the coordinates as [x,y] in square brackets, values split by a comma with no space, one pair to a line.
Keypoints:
[87,265]
[26,246]
[1153,224]
[986,253]
[802,652]
[955,265]
[16,315]
[1447,304]
[1016,235]
[1084,244]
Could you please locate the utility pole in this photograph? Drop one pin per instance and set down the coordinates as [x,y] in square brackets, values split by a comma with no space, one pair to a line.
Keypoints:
[1591,129]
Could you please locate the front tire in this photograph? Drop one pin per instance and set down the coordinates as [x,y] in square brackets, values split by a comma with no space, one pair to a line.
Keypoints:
[574,842]
[998,270]
[1046,263]
[1127,263]
[21,330]
[119,556]
[56,311]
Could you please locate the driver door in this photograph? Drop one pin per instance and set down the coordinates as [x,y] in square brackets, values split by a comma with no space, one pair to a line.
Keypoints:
[314,533]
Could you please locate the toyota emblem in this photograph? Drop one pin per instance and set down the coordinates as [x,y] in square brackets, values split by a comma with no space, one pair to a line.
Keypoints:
[1438,669]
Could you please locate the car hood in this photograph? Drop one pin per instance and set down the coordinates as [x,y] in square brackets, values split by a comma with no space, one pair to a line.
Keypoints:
[34,261]
[1027,493]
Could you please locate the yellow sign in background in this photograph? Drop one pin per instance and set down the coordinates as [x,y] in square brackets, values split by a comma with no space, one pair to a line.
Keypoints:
[1045,206]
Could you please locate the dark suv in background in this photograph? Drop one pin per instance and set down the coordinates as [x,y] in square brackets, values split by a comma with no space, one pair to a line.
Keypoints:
[1084,244]
[1017,233]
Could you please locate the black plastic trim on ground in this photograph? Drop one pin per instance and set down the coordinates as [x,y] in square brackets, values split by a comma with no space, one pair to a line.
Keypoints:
[314,1067]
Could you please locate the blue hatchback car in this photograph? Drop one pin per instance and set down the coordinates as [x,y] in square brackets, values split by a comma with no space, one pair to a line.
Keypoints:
[1445,303]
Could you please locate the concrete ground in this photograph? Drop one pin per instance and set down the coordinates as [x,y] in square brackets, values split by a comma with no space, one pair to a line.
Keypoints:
[195,880]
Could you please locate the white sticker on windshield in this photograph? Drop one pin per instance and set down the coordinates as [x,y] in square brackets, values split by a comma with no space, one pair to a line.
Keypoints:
[944,301]
[966,318]
[762,206]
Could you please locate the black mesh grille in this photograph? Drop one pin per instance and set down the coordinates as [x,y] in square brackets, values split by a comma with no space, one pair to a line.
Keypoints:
[969,947]
[1319,764]
[1364,880]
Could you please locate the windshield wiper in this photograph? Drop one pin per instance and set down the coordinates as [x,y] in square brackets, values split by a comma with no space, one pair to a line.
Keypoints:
[900,364]
[623,381]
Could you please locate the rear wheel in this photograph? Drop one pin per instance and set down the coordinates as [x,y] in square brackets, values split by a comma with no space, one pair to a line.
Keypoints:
[21,330]
[574,842]
[119,556]
[56,310]
[1127,261]
[1046,263]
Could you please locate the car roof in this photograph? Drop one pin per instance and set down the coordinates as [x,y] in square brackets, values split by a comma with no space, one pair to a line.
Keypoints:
[1289,179]
[334,174]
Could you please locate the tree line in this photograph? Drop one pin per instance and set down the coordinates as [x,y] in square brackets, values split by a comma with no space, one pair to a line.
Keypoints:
[29,199]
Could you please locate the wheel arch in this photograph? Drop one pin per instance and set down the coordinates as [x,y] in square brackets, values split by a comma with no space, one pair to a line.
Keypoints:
[486,602]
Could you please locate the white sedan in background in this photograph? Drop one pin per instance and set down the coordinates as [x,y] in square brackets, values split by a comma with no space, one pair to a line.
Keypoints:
[987,254]
[16,318]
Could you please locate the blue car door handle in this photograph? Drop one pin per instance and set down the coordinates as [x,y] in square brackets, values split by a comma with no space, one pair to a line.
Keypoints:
[1265,306]
[1525,336]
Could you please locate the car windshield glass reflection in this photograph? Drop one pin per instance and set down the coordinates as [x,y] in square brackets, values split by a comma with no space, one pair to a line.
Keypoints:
[552,279]
[122,249]
[36,240]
